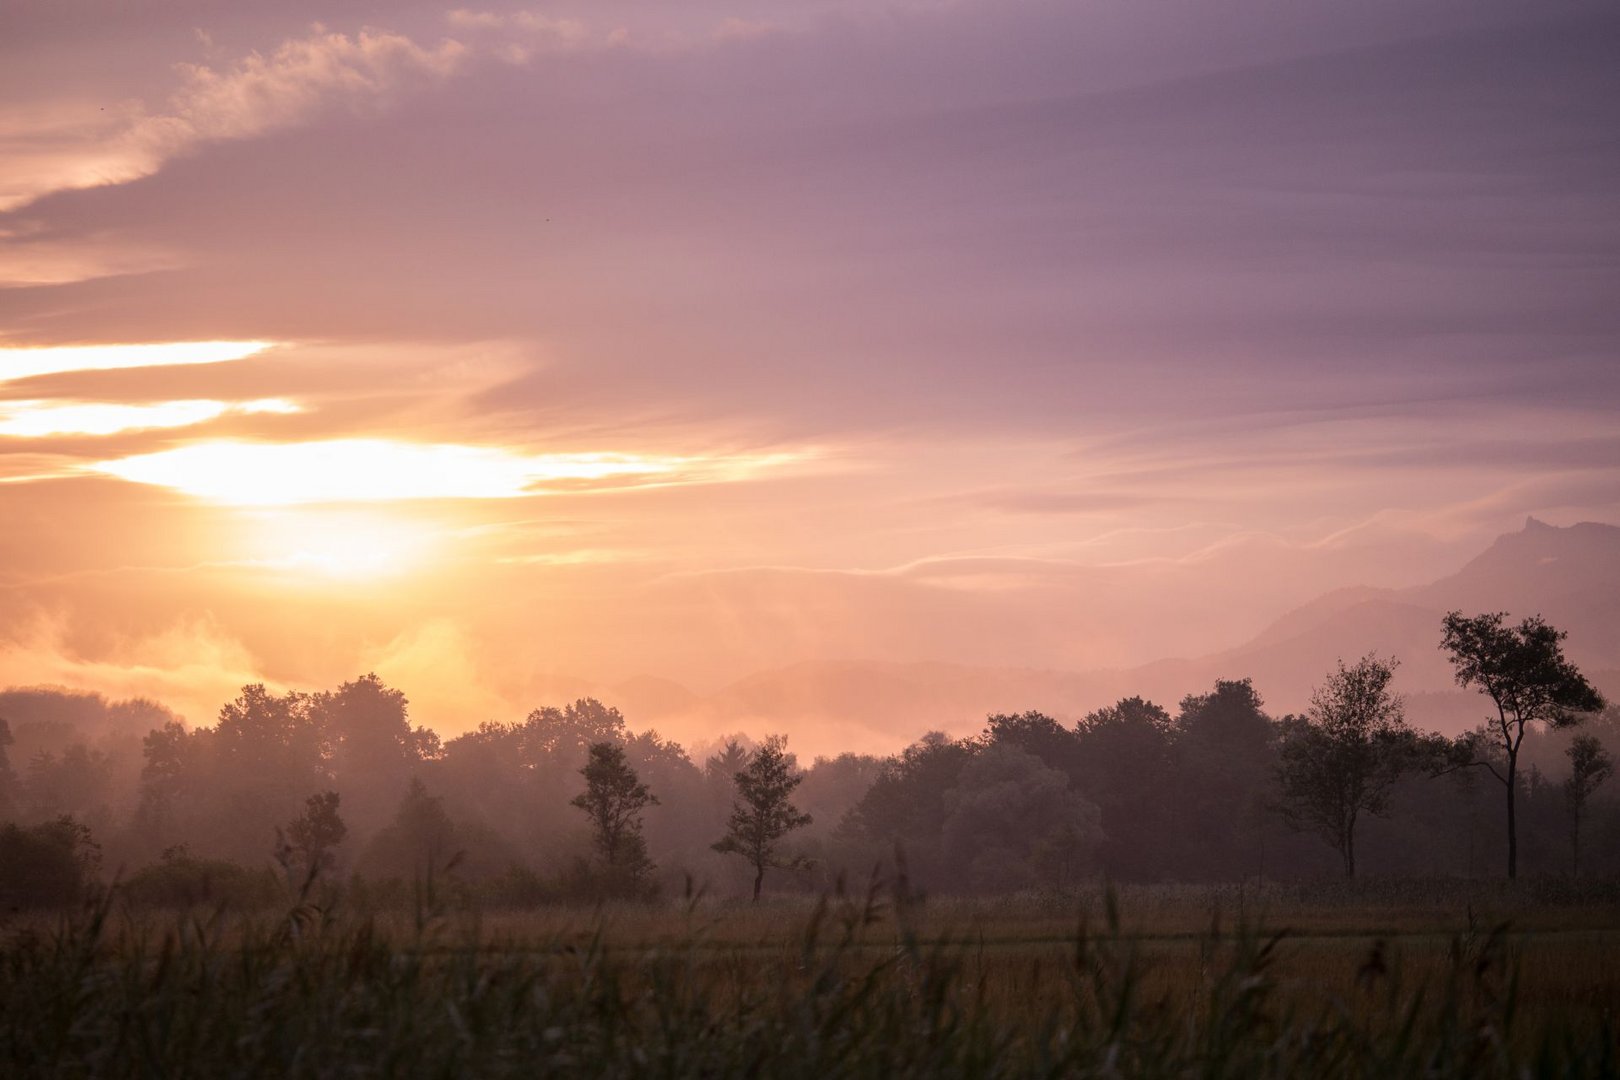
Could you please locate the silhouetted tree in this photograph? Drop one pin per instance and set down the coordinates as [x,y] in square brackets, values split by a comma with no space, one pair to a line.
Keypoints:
[1522,669]
[46,865]
[763,813]
[680,825]
[75,782]
[1589,766]
[1225,768]
[833,786]
[164,775]
[270,736]
[905,806]
[1034,733]
[1341,759]
[366,722]
[1126,765]
[613,799]
[374,749]
[8,779]
[421,840]
[227,787]
[567,734]
[725,763]
[314,833]
[1013,821]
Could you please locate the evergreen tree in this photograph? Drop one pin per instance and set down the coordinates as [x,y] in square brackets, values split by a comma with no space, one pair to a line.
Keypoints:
[613,799]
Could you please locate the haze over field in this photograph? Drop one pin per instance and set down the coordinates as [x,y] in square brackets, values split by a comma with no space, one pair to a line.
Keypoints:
[842,369]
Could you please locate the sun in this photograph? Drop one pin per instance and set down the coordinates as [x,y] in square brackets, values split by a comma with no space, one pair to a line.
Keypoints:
[318,545]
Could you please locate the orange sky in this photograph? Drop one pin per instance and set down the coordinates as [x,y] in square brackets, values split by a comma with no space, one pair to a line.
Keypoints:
[519,350]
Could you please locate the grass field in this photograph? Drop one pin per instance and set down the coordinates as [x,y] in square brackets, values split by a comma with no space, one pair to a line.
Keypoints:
[1439,981]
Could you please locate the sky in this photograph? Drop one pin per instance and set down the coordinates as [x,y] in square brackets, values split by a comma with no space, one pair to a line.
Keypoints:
[515,349]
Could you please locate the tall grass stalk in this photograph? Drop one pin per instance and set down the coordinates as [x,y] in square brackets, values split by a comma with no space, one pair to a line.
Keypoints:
[854,991]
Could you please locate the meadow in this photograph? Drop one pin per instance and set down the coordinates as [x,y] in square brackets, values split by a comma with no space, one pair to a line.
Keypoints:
[1393,979]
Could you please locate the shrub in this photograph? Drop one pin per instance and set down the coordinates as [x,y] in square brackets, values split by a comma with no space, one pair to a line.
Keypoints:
[181,881]
[52,864]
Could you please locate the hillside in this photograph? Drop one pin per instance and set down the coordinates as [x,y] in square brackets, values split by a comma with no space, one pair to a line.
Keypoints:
[1566,574]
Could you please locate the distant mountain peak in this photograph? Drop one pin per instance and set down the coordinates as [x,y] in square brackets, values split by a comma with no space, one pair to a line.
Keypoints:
[1535,524]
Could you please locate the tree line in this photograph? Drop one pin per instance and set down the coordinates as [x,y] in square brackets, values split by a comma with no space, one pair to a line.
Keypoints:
[306,788]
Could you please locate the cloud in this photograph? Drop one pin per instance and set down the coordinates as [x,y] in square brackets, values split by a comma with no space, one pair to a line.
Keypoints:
[446,673]
[39,419]
[380,470]
[28,363]
[193,665]
[262,92]
[26,260]
[298,80]
[533,30]
[52,145]
[1163,284]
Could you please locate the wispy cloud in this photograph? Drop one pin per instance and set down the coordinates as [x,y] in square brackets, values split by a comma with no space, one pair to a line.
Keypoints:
[259,93]
[39,419]
[382,470]
[26,363]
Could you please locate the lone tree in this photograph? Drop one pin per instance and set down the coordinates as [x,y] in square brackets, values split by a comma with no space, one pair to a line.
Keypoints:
[1523,671]
[613,799]
[312,835]
[762,813]
[1589,766]
[1342,757]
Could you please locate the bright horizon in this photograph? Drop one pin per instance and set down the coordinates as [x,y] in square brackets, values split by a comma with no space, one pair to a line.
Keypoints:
[514,352]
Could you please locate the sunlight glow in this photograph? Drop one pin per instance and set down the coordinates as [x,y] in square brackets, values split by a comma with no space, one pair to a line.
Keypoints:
[379,470]
[337,546]
[52,360]
[39,419]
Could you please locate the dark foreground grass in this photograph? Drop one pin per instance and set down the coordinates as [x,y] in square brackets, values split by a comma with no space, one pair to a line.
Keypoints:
[851,988]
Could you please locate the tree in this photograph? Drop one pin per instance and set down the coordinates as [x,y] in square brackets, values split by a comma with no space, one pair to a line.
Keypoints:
[905,807]
[165,777]
[613,799]
[762,814]
[1034,733]
[374,749]
[728,760]
[265,737]
[1589,766]
[1523,671]
[51,864]
[1126,765]
[420,841]
[8,780]
[1013,821]
[1342,757]
[1225,767]
[567,734]
[77,782]
[314,833]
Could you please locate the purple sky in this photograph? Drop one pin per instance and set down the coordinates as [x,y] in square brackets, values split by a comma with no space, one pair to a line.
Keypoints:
[633,338]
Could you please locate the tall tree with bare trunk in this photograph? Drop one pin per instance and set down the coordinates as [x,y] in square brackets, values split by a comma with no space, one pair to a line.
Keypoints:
[763,813]
[1523,670]
[1340,760]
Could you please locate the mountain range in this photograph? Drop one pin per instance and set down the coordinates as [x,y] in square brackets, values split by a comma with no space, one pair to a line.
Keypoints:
[1566,574]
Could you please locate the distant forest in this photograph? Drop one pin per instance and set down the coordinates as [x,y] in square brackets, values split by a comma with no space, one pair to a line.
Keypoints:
[294,791]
